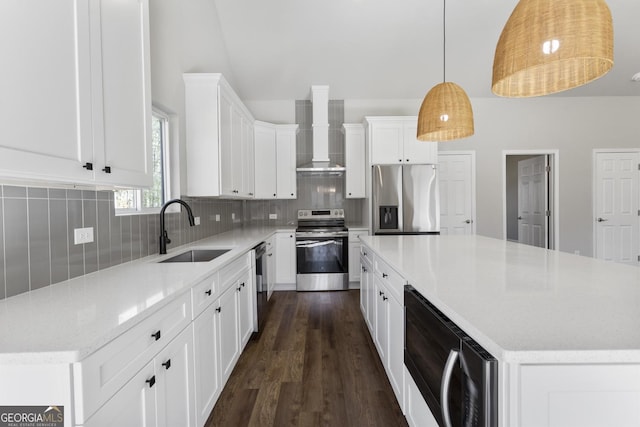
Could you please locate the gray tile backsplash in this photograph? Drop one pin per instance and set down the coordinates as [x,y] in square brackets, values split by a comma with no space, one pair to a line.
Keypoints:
[37,231]
[314,191]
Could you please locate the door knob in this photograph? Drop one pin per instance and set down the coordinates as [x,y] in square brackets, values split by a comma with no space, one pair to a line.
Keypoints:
[602,220]
[469,221]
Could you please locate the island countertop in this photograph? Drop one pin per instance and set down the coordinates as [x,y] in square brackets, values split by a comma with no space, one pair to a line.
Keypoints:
[522,303]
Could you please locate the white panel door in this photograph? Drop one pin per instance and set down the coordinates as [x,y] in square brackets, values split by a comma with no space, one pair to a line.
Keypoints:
[229,345]
[455,176]
[122,92]
[206,363]
[265,161]
[617,194]
[45,90]
[533,201]
[246,289]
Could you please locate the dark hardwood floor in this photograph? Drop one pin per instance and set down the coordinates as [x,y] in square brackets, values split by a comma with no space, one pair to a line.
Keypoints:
[314,365]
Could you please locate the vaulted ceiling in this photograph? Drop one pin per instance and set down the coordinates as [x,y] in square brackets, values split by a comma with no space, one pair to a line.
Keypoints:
[388,49]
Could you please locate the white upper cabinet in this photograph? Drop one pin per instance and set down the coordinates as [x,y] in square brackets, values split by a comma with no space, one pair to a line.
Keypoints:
[265,160]
[355,161]
[275,161]
[76,101]
[392,140]
[220,143]
[286,161]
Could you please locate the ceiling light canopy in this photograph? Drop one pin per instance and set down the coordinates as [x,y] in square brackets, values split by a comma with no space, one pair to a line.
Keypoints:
[445,113]
[549,46]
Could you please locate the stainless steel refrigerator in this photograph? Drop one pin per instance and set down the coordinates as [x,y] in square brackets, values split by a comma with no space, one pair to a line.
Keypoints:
[405,199]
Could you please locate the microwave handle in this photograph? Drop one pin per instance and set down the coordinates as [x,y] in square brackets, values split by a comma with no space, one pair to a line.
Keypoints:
[444,386]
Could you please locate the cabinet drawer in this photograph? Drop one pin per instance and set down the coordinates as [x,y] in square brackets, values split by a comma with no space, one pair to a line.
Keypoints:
[392,280]
[233,270]
[102,374]
[204,293]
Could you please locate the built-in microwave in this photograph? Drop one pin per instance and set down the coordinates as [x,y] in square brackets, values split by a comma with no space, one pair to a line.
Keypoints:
[455,375]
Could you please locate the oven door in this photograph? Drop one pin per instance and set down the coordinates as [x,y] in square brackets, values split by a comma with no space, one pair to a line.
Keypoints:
[322,261]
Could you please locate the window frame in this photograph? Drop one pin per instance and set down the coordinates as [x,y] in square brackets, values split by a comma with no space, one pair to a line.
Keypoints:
[166,170]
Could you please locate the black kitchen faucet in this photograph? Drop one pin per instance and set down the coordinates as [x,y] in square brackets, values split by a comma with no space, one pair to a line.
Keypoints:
[164,238]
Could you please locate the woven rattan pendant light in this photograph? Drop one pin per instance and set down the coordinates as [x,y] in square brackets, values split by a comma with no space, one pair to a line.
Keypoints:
[549,46]
[445,113]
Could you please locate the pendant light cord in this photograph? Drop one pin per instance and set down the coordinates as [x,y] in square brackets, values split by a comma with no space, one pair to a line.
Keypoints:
[444,41]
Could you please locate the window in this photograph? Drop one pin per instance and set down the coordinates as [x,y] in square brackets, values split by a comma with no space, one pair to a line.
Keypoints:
[150,200]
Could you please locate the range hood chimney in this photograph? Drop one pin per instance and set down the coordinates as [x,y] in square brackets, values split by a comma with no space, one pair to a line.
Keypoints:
[320,163]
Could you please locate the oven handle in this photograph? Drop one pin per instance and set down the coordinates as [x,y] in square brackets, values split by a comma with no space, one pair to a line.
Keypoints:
[314,244]
[444,386]
[321,235]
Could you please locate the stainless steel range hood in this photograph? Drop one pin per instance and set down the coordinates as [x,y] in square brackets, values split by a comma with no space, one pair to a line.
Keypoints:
[320,163]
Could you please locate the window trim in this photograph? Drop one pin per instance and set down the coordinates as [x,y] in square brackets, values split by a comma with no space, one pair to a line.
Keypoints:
[166,165]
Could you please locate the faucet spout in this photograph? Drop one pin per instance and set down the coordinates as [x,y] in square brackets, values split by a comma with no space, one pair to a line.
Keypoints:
[164,238]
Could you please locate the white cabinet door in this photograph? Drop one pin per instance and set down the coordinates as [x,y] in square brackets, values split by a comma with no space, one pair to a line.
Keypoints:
[228,331]
[366,292]
[286,161]
[265,161]
[395,351]
[456,186]
[134,405]
[175,382]
[247,158]
[271,266]
[246,290]
[355,161]
[381,321]
[122,92]
[386,142]
[206,363]
[285,257]
[237,163]
[45,116]
[416,151]
[354,261]
[226,144]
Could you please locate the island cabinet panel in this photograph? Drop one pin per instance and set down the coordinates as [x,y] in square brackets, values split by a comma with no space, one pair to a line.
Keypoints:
[383,310]
[578,395]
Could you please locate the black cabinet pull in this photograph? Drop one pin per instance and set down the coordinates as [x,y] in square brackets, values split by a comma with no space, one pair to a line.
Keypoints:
[88,166]
[208,292]
[156,335]
[242,284]
[385,275]
[219,309]
[400,160]
[407,160]
[381,293]
[274,194]
[292,194]
[151,381]
[384,298]
[106,169]
[167,364]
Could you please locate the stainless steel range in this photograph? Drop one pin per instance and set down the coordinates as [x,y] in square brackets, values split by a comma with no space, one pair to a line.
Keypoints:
[322,250]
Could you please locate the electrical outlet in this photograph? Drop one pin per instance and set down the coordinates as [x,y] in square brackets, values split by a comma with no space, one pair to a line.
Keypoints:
[196,220]
[577,252]
[82,235]
[233,216]
[273,216]
[217,217]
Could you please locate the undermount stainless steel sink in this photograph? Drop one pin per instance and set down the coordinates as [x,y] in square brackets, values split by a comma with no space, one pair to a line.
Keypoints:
[197,255]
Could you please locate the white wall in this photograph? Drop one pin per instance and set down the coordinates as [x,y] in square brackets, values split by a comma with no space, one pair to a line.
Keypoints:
[185,37]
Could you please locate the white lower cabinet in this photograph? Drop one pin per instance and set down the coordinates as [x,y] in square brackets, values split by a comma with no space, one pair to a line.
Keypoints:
[381,301]
[271,265]
[417,411]
[159,395]
[246,294]
[207,379]
[229,331]
[285,257]
[354,253]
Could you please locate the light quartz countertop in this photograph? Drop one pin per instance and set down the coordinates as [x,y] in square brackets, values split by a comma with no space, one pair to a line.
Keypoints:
[524,304]
[67,321]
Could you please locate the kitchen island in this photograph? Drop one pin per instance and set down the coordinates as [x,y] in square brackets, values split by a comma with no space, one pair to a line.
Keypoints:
[564,328]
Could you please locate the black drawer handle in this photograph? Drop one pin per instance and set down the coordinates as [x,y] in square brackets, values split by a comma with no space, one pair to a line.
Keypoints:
[384,298]
[385,275]
[151,381]
[208,292]
[238,288]
[242,284]
[381,293]
[88,166]
[106,169]
[156,335]
[167,364]
[219,309]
